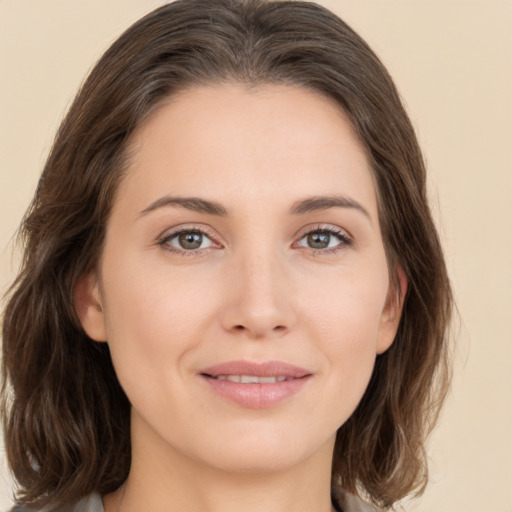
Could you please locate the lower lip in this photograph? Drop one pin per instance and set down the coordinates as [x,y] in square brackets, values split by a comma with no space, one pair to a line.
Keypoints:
[256,396]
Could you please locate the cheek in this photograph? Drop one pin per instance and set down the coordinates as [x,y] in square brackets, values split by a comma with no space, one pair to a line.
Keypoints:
[347,314]
[151,324]
[346,323]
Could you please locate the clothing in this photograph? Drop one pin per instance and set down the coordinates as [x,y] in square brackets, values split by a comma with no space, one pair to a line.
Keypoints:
[92,503]
[344,502]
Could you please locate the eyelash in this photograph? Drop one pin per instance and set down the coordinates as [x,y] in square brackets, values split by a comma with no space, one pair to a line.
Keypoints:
[345,240]
[166,238]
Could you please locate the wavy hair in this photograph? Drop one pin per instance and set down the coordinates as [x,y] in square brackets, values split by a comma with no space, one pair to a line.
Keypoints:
[66,419]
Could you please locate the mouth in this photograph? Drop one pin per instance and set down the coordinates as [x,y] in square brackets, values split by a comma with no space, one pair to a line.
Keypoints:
[256,385]
[245,371]
[250,379]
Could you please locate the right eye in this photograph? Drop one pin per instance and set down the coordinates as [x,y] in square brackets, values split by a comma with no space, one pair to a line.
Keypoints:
[186,240]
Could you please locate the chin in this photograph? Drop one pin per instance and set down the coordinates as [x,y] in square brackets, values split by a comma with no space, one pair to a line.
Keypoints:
[261,454]
[262,461]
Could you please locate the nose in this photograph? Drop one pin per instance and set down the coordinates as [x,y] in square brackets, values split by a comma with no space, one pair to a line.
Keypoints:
[259,301]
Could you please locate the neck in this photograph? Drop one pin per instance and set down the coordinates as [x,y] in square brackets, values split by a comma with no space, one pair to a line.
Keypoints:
[162,479]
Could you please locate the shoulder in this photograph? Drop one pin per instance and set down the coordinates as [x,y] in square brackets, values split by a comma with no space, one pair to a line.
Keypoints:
[91,503]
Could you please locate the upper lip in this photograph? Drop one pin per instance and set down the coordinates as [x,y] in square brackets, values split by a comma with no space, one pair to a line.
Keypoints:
[265,369]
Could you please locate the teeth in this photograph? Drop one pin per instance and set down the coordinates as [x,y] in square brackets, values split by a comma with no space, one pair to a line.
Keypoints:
[252,379]
[268,380]
[249,379]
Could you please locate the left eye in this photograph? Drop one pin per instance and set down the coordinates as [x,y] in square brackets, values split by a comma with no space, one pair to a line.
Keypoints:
[189,240]
[322,239]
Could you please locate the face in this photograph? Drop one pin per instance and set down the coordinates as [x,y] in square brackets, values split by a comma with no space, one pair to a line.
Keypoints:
[243,287]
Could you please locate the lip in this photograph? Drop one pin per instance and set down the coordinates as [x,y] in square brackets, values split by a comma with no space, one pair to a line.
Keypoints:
[256,395]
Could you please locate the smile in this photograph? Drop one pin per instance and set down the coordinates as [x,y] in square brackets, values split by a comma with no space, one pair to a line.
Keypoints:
[252,379]
[255,385]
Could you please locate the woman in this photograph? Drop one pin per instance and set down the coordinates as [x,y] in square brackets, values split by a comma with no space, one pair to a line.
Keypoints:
[233,295]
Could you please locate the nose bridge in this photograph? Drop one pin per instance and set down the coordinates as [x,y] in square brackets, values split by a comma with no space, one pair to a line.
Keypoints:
[259,302]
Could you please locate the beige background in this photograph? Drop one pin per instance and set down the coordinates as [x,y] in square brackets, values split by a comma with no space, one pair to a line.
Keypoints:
[452,62]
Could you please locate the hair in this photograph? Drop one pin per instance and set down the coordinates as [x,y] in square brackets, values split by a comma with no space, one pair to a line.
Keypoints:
[66,419]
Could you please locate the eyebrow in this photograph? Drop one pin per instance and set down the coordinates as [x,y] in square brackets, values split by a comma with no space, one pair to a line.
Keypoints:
[308,205]
[318,203]
[190,203]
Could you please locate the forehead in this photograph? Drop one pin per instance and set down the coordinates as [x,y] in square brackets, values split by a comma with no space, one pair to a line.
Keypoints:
[232,140]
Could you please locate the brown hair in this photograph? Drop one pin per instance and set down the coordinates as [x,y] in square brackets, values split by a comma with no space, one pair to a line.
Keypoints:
[65,416]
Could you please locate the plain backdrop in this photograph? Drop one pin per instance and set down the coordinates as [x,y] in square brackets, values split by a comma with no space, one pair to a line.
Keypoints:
[452,62]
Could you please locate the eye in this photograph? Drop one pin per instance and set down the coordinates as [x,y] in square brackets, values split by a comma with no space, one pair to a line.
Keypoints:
[325,238]
[186,240]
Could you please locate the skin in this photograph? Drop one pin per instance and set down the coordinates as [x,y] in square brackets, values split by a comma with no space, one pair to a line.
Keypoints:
[254,290]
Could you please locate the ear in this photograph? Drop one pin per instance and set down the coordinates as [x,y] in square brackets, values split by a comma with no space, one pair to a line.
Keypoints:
[89,307]
[392,312]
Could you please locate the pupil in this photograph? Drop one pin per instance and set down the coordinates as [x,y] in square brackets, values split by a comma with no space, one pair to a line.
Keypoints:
[318,240]
[190,240]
